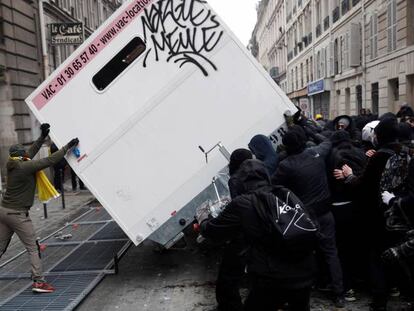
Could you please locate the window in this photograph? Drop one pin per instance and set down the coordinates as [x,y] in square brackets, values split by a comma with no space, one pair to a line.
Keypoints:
[336,57]
[392,25]
[311,68]
[318,65]
[119,63]
[301,75]
[296,78]
[358,90]
[373,40]
[375,98]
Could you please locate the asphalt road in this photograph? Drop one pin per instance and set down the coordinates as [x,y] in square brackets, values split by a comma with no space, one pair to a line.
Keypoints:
[177,280]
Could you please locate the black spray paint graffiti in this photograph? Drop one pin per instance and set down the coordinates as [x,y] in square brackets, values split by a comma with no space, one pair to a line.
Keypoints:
[183,31]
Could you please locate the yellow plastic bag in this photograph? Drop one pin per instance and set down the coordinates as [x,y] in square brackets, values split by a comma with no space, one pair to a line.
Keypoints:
[45,189]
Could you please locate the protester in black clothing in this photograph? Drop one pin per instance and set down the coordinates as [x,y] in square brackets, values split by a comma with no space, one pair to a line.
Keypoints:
[344,207]
[262,148]
[276,277]
[233,262]
[304,172]
[346,123]
[374,233]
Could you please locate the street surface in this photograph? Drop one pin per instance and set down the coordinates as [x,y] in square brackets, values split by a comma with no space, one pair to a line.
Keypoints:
[180,279]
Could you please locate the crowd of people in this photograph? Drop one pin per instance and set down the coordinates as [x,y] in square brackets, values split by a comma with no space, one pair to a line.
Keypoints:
[331,208]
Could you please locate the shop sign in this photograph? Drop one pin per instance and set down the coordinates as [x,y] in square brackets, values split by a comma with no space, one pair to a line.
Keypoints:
[66,33]
[316,87]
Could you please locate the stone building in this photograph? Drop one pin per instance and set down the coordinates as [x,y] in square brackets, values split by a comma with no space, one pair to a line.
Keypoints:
[268,40]
[27,56]
[344,55]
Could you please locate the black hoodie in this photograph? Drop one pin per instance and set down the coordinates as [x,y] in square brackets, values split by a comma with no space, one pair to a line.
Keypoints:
[353,131]
[262,148]
[240,215]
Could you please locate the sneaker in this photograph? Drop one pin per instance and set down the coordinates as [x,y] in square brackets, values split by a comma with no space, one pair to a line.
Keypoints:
[339,302]
[394,292]
[350,295]
[42,287]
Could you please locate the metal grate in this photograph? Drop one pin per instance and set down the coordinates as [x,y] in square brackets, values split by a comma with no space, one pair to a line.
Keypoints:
[75,265]
[90,256]
[69,292]
[111,232]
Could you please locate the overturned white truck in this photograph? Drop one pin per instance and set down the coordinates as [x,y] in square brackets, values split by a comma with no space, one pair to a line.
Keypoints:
[157,81]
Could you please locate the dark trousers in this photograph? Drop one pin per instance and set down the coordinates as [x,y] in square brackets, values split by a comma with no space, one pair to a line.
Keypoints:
[266,295]
[346,241]
[230,274]
[327,246]
[74,179]
[58,178]
[377,275]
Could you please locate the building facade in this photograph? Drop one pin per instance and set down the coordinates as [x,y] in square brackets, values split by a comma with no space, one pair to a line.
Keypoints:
[344,55]
[269,40]
[27,56]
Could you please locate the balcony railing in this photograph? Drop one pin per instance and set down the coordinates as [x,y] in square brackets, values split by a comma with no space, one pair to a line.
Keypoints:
[326,23]
[335,14]
[318,30]
[344,6]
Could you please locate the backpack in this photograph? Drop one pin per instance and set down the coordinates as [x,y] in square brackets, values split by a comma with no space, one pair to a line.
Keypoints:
[395,170]
[286,221]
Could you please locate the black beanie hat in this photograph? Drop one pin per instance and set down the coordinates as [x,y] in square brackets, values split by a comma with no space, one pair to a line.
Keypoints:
[387,131]
[237,157]
[294,141]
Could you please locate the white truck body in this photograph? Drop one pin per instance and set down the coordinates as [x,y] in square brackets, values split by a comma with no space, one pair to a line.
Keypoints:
[184,81]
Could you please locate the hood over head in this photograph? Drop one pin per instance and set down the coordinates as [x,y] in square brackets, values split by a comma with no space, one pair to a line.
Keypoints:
[237,158]
[405,132]
[387,131]
[346,123]
[405,112]
[368,133]
[294,141]
[263,149]
[339,137]
[253,175]
[387,115]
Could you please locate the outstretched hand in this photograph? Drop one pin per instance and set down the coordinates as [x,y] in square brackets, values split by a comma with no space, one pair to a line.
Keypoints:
[45,129]
[74,142]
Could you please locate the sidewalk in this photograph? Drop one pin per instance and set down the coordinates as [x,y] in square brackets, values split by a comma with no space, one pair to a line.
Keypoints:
[76,204]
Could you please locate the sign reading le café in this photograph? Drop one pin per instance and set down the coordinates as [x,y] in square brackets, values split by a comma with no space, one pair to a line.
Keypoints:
[66,33]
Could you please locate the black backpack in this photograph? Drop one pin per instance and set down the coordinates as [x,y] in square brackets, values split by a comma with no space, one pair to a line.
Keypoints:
[286,221]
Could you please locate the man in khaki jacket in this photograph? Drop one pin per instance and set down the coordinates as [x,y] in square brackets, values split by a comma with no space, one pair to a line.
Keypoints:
[19,197]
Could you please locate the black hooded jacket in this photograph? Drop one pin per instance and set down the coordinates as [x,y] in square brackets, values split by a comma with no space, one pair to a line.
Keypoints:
[240,215]
[305,174]
[344,152]
[353,131]
[262,148]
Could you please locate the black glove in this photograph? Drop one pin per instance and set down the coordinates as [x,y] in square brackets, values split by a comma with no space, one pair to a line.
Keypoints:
[390,255]
[72,143]
[45,128]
